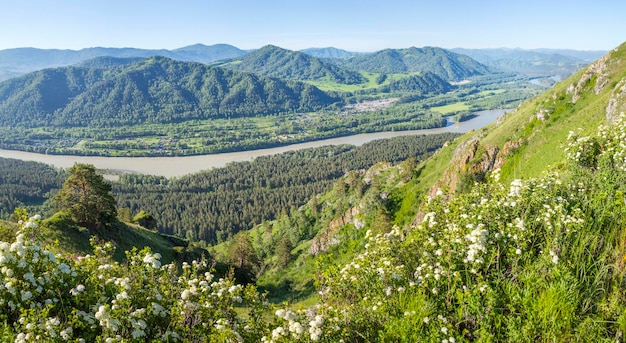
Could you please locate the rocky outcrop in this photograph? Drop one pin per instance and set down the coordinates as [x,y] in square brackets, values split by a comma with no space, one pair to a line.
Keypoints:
[617,102]
[327,238]
[598,70]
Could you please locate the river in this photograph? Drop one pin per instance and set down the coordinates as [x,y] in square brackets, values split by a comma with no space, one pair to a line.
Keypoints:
[179,166]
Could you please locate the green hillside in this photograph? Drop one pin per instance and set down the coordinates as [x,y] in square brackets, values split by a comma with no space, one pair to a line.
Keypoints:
[293,65]
[446,64]
[474,258]
[534,137]
[156,90]
[515,232]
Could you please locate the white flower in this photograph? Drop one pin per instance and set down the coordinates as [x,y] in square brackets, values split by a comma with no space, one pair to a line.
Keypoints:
[555,258]
[152,259]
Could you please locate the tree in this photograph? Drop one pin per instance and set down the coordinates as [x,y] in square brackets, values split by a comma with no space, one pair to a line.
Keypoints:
[86,197]
[146,220]
[283,252]
[244,258]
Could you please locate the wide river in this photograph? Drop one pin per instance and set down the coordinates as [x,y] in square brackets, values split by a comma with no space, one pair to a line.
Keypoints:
[178,166]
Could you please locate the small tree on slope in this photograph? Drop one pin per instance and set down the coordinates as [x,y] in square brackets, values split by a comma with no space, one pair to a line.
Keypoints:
[86,197]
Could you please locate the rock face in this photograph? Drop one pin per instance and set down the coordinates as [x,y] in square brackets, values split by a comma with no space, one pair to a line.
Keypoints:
[598,69]
[617,102]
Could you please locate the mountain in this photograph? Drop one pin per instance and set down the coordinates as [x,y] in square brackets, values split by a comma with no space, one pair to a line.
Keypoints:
[446,64]
[425,83]
[207,54]
[534,63]
[293,65]
[107,62]
[155,90]
[583,55]
[329,52]
[19,61]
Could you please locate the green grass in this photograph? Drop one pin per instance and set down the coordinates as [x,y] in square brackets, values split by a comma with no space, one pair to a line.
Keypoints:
[451,108]
[490,92]
[327,85]
[72,239]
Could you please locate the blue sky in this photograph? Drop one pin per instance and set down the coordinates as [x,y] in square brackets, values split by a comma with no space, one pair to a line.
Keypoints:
[361,25]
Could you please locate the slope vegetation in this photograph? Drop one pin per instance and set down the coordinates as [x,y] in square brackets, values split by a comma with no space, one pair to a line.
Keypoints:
[448,65]
[16,62]
[293,65]
[156,90]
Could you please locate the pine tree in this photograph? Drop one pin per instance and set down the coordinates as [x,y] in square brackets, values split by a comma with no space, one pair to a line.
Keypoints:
[86,197]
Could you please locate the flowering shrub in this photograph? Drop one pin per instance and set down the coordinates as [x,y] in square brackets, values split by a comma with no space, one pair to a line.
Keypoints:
[541,259]
[500,263]
[48,297]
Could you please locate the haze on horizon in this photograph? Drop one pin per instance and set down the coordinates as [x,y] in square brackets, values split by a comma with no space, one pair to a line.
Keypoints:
[364,25]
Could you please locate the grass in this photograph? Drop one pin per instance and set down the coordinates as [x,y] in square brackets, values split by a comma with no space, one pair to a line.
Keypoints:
[72,239]
[451,108]
[327,85]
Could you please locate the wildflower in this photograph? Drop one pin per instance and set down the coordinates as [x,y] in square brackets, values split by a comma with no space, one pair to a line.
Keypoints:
[152,259]
[555,258]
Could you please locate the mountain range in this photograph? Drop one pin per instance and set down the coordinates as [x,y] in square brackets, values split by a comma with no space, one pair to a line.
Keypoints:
[287,64]
[448,65]
[513,232]
[153,90]
[538,62]
[15,62]
[18,61]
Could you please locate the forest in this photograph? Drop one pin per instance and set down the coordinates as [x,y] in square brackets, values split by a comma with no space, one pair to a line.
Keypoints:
[215,204]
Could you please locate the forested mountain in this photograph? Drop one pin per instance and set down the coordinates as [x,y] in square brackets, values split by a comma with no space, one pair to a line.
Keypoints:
[583,55]
[444,63]
[156,90]
[293,65]
[19,61]
[329,52]
[424,83]
[107,62]
[530,62]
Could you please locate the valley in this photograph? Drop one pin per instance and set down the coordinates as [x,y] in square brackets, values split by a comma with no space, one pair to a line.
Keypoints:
[275,196]
[156,106]
[184,165]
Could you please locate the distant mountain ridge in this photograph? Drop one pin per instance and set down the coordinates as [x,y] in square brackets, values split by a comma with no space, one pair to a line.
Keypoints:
[329,52]
[274,61]
[534,63]
[19,61]
[446,64]
[155,90]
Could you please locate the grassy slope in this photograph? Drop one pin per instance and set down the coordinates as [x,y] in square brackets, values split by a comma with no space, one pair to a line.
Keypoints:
[75,240]
[545,142]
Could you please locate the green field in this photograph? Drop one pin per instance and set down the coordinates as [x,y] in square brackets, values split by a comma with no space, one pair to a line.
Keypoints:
[452,108]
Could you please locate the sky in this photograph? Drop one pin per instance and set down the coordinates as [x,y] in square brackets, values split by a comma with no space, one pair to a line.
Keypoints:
[354,25]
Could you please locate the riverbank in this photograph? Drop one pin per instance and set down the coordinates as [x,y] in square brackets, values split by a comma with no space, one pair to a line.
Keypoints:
[179,166]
